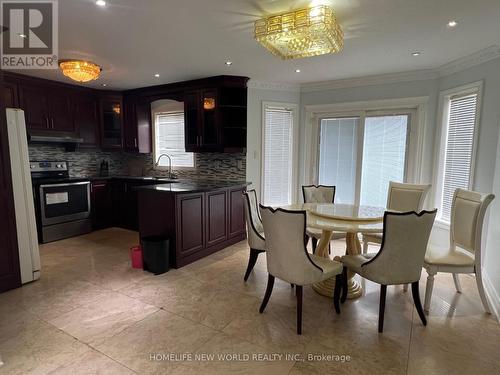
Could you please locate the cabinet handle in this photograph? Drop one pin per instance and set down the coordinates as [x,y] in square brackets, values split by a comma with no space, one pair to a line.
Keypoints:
[52,119]
[47,121]
[135,142]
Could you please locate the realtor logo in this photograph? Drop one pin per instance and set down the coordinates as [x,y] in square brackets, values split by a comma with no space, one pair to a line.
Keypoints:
[30,34]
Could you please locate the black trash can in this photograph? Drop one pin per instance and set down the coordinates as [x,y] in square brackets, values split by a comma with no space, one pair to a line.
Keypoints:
[155,254]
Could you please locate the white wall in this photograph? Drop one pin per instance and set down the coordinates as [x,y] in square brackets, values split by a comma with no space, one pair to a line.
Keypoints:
[254,127]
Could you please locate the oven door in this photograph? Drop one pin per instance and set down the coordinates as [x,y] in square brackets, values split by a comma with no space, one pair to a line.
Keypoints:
[60,203]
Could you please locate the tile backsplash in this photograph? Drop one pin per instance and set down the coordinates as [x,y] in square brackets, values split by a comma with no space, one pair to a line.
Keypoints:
[86,163]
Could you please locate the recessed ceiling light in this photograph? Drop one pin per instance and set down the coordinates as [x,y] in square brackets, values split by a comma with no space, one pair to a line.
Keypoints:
[416,53]
[452,23]
[157,75]
[229,63]
[101,3]
[22,35]
[297,70]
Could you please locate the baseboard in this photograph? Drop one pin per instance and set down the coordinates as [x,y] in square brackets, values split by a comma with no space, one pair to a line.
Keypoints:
[492,296]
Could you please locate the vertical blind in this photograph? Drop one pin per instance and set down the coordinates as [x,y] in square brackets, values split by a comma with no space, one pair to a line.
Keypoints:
[338,156]
[170,139]
[459,149]
[278,157]
[384,157]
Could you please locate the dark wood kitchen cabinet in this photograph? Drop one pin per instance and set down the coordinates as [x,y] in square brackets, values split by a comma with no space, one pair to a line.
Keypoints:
[111,122]
[190,224]
[10,274]
[236,211]
[137,124]
[101,204]
[216,227]
[10,94]
[86,107]
[47,108]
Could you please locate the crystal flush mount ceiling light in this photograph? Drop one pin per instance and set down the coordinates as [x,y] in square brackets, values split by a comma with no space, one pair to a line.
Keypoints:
[301,33]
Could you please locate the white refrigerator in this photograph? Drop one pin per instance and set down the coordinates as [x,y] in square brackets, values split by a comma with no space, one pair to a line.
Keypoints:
[27,238]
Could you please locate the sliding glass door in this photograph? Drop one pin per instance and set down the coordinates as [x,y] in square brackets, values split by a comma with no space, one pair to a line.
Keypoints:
[360,155]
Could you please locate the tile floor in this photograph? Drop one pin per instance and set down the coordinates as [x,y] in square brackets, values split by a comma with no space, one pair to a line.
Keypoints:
[90,313]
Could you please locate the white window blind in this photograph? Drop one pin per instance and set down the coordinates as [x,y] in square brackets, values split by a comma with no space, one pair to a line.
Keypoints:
[169,134]
[459,149]
[384,157]
[278,156]
[338,156]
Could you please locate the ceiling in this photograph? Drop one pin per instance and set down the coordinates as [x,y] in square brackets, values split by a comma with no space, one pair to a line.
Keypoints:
[132,40]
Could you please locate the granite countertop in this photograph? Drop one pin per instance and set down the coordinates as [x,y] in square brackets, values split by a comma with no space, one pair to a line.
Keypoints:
[185,186]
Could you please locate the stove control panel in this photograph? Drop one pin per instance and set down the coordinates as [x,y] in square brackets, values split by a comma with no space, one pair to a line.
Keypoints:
[48,166]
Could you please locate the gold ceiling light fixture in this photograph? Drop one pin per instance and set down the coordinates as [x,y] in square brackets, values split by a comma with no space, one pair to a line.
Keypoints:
[301,33]
[80,70]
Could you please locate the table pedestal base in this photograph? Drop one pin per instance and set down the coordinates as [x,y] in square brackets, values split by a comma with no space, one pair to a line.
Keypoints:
[353,247]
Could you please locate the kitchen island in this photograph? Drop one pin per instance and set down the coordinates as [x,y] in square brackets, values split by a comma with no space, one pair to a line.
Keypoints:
[199,217]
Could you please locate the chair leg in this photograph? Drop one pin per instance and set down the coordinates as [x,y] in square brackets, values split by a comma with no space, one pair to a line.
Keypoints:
[269,290]
[381,310]
[405,288]
[418,305]
[314,242]
[428,290]
[336,293]
[251,262]
[344,285]
[365,247]
[480,288]
[456,280]
[298,292]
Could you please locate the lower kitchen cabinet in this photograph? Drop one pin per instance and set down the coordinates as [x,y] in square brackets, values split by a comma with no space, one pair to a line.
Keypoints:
[198,224]
[101,204]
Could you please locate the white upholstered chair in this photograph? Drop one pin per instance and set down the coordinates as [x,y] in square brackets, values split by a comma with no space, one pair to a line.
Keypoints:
[255,230]
[319,194]
[289,260]
[464,252]
[402,198]
[399,260]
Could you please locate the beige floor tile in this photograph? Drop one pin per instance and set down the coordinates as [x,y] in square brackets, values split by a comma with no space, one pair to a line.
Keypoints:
[103,318]
[93,363]
[159,334]
[38,349]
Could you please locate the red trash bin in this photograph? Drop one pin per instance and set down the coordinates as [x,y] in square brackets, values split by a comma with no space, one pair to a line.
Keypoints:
[136,256]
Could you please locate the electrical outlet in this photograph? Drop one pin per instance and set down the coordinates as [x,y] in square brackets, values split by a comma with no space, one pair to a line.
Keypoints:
[240,164]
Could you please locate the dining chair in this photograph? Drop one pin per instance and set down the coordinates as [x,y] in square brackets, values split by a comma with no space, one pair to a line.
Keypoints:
[288,258]
[399,260]
[403,198]
[464,253]
[255,231]
[319,194]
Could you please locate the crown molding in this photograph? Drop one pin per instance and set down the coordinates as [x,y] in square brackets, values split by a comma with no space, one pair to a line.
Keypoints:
[416,75]
[477,58]
[276,86]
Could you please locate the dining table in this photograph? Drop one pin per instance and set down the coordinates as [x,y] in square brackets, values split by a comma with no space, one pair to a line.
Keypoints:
[344,218]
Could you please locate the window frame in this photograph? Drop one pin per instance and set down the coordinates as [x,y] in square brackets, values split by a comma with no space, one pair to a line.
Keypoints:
[442,137]
[410,170]
[155,151]
[294,108]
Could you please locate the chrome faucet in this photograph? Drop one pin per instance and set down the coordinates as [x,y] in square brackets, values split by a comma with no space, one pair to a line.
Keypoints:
[170,174]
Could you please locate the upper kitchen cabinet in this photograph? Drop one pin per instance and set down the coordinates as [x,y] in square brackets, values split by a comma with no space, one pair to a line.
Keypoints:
[86,105]
[216,116]
[111,121]
[47,108]
[137,124]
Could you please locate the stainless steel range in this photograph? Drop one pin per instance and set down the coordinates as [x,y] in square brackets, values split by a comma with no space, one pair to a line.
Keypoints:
[62,202]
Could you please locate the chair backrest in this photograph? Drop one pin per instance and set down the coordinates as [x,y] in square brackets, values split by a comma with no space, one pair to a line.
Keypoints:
[318,194]
[406,197]
[466,221]
[401,256]
[287,256]
[254,223]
